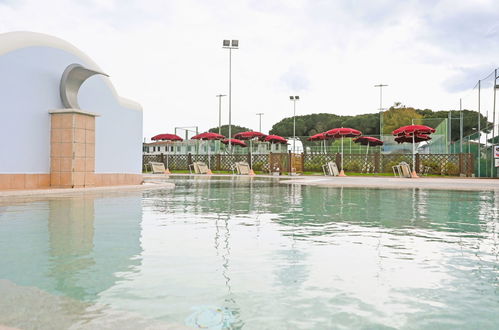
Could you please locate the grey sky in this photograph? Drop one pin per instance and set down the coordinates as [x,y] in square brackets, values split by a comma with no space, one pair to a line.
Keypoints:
[167,55]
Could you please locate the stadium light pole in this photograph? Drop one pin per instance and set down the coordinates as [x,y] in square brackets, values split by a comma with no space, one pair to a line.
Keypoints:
[260,114]
[294,99]
[220,112]
[380,86]
[230,45]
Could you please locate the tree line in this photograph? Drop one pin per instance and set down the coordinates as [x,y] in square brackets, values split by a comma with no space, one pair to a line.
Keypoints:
[369,124]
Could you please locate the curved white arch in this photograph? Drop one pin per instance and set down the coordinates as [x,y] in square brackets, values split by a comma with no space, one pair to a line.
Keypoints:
[12,41]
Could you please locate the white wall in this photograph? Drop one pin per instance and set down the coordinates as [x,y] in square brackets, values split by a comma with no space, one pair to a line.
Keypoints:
[29,88]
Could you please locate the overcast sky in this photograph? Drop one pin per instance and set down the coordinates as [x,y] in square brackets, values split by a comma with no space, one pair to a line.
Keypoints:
[168,56]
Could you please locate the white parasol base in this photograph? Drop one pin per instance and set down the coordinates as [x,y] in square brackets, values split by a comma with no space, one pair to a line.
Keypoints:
[414,174]
[342,173]
[167,171]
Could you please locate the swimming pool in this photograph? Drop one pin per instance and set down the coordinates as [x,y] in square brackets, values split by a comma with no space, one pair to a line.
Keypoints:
[253,254]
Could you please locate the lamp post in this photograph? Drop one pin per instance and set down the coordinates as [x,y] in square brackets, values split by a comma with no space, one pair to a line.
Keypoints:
[230,45]
[220,112]
[380,107]
[260,114]
[294,99]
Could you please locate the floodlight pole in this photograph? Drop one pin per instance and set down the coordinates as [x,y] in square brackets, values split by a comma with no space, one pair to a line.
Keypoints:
[461,125]
[380,107]
[220,112]
[260,114]
[294,99]
[230,45]
[494,120]
[479,135]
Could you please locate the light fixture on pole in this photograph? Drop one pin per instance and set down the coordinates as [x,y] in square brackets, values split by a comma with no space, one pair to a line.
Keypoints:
[294,99]
[260,114]
[380,108]
[230,45]
[220,112]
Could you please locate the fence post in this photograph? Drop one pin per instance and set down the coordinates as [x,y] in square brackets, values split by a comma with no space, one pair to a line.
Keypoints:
[417,163]
[162,158]
[338,159]
[289,161]
[461,164]
[189,159]
[471,162]
[376,162]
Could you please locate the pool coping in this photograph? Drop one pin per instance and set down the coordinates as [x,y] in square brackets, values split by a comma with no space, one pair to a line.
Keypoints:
[150,185]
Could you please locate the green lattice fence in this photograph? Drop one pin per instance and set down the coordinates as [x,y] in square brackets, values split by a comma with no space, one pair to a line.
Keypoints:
[439,164]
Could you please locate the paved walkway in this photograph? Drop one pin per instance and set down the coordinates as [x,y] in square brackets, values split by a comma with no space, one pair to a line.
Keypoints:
[399,183]
[386,182]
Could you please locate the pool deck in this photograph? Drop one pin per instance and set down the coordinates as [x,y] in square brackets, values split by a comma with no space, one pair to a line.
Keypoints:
[151,184]
[463,184]
[383,182]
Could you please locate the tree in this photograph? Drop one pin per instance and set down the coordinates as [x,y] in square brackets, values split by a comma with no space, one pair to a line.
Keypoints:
[398,116]
[225,130]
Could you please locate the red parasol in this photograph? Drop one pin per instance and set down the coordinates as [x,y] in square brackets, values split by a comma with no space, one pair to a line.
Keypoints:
[318,137]
[249,135]
[343,132]
[412,138]
[413,134]
[413,129]
[208,136]
[167,137]
[368,141]
[234,142]
[275,139]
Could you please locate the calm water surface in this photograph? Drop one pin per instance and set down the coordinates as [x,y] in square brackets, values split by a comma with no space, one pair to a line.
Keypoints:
[252,254]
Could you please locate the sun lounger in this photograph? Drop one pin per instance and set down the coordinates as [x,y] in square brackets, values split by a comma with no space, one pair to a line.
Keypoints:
[157,168]
[330,168]
[242,168]
[402,170]
[199,168]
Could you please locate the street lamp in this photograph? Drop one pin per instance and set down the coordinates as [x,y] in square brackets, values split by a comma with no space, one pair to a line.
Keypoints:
[380,108]
[230,45]
[220,112]
[294,99]
[260,114]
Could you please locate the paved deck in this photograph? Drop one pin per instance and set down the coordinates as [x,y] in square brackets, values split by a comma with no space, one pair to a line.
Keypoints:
[399,183]
[385,182]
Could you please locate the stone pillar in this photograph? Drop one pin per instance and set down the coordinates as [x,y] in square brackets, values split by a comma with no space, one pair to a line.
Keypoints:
[72,148]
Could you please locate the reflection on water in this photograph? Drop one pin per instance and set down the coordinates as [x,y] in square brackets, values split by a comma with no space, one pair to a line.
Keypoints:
[267,254]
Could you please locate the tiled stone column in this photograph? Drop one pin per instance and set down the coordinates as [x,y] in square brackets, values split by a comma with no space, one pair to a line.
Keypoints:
[72,144]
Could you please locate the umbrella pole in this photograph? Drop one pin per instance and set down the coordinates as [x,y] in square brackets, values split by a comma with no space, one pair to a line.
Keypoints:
[342,172]
[414,174]
[367,154]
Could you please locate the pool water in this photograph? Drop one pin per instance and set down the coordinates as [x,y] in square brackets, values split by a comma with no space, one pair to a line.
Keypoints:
[254,254]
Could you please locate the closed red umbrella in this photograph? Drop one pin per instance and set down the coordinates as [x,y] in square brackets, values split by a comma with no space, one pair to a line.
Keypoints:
[249,135]
[234,142]
[275,139]
[341,133]
[208,136]
[166,137]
